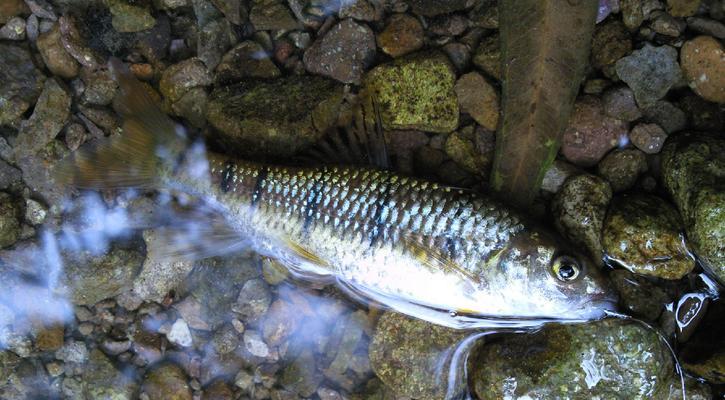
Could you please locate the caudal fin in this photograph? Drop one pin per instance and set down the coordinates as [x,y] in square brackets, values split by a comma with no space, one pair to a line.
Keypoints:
[148,143]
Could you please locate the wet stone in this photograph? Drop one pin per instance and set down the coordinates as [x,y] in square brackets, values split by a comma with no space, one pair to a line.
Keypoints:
[611,41]
[73,352]
[557,174]
[301,376]
[20,83]
[650,72]
[167,382]
[10,213]
[361,10]
[415,92]
[666,115]
[248,59]
[159,275]
[648,137]
[479,99]
[488,56]
[644,234]
[607,359]
[50,114]
[703,64]
[191,311]
[225,339]
[254,300]
[707,26]
[99,87]
[103,381]
[431,8]
[622,167]
[12,8]
[218,390]
[579,209]
[403,34]
[56,58]
[343,53]
[632,14]
[129,16]
[281,321]
[702,114]
[639,295]
[693,166]
[463,151]
[619,103]
[9,176]
[406,354]
[271,15]
[255,345]
[682,8]
[247,114]
[50,338]
[13,29]
[179,334]
[665,24]
[591,133]
[179,78]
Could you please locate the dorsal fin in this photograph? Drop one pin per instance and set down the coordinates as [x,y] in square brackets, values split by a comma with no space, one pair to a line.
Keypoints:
[361,143]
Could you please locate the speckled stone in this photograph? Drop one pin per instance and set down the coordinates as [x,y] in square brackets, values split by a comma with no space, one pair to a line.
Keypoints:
[703,63]
[622,167]
[591,133]
[343,53]
[650,72]
[403,34]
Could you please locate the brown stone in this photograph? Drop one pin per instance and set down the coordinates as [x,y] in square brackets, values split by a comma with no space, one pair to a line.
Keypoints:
[703,64]
[56,58]
[591,133]
[402,35]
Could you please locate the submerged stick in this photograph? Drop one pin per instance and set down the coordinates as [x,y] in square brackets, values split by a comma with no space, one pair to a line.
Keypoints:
[544,51]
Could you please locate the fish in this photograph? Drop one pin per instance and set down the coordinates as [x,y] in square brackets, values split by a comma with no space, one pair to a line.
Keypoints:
[451,256]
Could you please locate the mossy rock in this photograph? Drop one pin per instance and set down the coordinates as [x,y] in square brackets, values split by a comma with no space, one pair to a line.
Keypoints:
[274,117]
[693,171]
[415,92]
[607,359]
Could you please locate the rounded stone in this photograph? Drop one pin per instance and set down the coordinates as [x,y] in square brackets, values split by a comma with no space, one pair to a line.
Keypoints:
[645,235]
[479,99]
[343,53]
[179,78]
[403,34]
[167,381]
[611,41]
[56,58]
[703,64]
[606,359]
[591,133]
[248,59]
[650,72]
[648,137]
[622,168]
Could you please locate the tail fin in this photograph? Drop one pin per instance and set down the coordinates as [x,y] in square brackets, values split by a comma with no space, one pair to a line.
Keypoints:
[132,160]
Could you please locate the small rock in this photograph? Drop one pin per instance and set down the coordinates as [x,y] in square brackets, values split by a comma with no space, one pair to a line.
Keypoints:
[255,345]
[459,54]
[682,8]
[167,382]
[632,13]
[648,137]
[50,114]
[488,56]
[225,339]
[20,83]
[56,58]
[213,42]
[707,26]
[361,10]
[247,114]
[644,235]
[254,300]
[190,311]
[100,87]
[281,321]
[666,25]
[650,72]
[218,390]
[13,29]
[703,355]
[343,53]
[591,133]
[639,295]
[114,347]
[693,166]
[702,114]
[182,77]
[50,338]
[248,59]
[9,220]
[411,356]
[479,99]
[12,8]
[431,8]
[464,152]
[415,92]
[9,176]
[579,209]
[271,15]
[179,334]
[159,275]
[301,376]
[103,381]
[606,359]
[703,64]
[403,34]
[129,16]
[557,174]
[619,103]
[622,167]
[611,41]
[666,115]
[73,352]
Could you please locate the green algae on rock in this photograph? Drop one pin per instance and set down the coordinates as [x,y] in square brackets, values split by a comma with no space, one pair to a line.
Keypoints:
[130,17]
[412,357]
[693,171]
[278,117]
[606,359]
[415,92]
[103,381]
[644,234]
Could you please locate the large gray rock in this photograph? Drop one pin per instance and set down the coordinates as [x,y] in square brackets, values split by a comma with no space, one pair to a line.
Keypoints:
[650,72]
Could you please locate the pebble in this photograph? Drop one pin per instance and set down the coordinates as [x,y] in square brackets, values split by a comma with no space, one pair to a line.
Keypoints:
[255,345]
[254,300]
[272,15]
[650,72]
[479,99]
[632,14]
[55,56]
[619,103]
[557,174]
[639,295]
[9,176]
[159,275]
[343,53]
[50,338]
[666,25]
[459,54]
[431,8]
[50,114]
[644,235]
[403,34]
[666,115]
[683,8]
[103,381]
[225,339]
[416,92]
[488,56]
[179,78]
[703,64]
[100,88]
[20,83]
[179,334]
[42,9]
[591,133]
[622,167]
[300,376]
[611,41]
[707,26]
[463,151]
[218,390]
[449,25]
[12,8]
[579,209]
[648,137]
[14,29]
[191,311]
[361,10]
[9,220]
[129,17]
[248,59]
[72,352]
[167,381]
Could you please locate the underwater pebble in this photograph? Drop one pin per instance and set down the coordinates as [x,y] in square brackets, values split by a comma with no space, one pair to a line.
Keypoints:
[611,41]
[159,274]
[488,56]
[255,345]
[167,381]
[13,29]
[591,133]
[622,167]
[639,295]
[179,78]
[179,334]
[644,234]
[246,59]
[56,58]
[403,34]
[272,15]
[703,64]
[343,53]
[650,72]
[254,300]
[50,114]
[666,115]
[20,83]
[479,99]
[648,137]
[619,103]
[9,220]
[129,16]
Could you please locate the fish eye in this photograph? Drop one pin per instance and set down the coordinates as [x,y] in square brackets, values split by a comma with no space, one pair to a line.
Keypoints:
[565,268]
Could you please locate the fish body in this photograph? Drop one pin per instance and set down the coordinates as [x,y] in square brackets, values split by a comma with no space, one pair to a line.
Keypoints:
[447,255]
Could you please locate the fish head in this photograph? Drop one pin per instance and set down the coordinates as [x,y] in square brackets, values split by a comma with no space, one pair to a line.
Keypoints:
[548,278]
